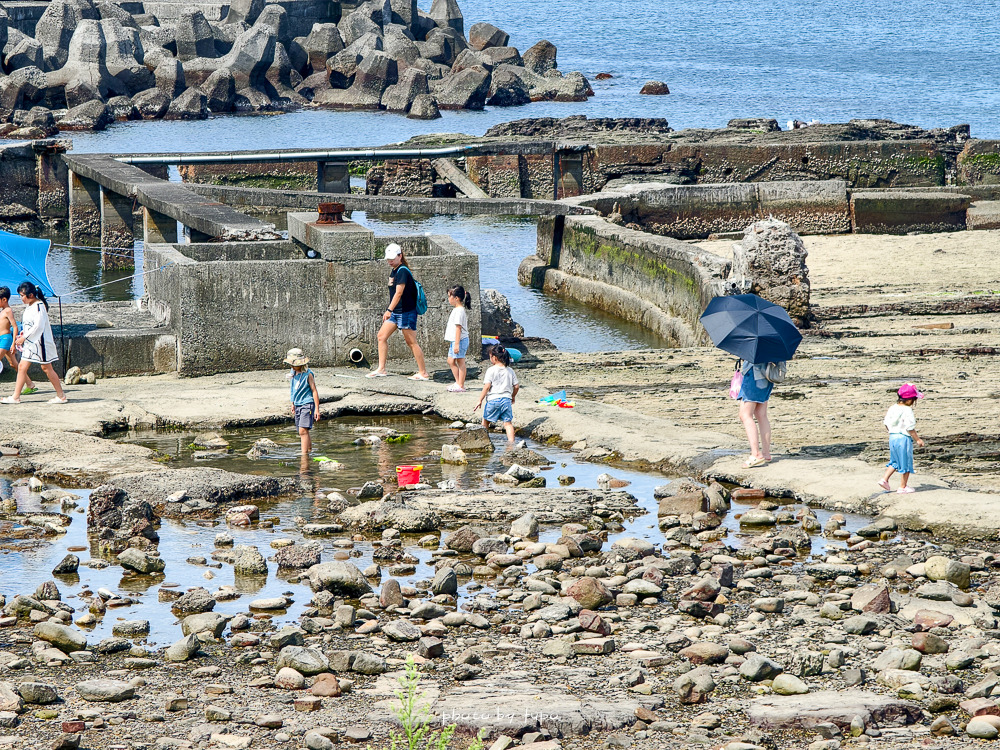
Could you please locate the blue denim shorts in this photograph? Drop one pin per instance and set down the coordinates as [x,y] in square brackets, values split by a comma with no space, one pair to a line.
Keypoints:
[750,391]
[499,410]
[463,347]
[406,321]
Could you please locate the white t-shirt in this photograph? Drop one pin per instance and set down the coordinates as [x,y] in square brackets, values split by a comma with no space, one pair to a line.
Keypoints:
[39,345]
[458,317]
[900,420]
[503,381]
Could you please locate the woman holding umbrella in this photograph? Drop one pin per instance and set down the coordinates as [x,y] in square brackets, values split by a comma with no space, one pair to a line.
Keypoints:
[762,335]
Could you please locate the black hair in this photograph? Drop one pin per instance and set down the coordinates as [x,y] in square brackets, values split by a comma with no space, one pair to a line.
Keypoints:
[4,292]
[501,354]
[30,290]
[906,401]
[459,292]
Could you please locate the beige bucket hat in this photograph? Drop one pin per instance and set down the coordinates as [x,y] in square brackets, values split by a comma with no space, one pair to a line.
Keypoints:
[296,358]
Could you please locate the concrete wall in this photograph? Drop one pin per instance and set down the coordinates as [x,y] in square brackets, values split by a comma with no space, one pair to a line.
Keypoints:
[547,169]
[979,163]
[129,352]
[904,211]
[233,315]
[24,14]
[658,282]
[696,211]
[18,176]
[266,199]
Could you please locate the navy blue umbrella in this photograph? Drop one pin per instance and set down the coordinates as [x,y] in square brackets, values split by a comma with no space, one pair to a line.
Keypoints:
[752,328]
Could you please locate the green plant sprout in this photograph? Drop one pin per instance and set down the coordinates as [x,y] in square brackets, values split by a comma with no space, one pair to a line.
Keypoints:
[415,716]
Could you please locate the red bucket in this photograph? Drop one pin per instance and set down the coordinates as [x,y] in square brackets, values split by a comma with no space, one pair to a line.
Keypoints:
[408,475]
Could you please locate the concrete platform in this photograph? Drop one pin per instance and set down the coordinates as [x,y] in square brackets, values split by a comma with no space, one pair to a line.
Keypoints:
[113,339]
[212,220]
[263,198]
[345,241]
[901,212]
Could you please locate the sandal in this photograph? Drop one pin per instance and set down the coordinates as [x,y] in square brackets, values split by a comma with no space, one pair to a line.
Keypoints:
[29,391]
[377,374]
[57,400]
[905,490]
[884,484]
[419,377]
[455,389]
[753,463]
[9,400]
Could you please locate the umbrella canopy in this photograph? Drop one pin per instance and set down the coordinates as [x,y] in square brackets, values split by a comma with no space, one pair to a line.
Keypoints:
[23,259]
[752,328]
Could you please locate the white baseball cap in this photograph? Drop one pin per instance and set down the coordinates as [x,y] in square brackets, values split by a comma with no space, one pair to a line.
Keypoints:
[393,251]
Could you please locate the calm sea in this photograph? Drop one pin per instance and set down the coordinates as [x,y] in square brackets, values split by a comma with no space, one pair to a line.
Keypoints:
[928,64]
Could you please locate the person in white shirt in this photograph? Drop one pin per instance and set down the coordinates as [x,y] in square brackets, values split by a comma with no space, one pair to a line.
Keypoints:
[499,392]
[457,335]
[36,342]
[902,427]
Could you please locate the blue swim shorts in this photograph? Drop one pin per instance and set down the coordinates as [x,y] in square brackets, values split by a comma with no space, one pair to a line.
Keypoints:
[7,341]
[406,321]
[499,410]
[463,347]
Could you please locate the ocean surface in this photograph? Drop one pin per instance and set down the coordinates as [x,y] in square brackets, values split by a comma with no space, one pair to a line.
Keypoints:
[927,64]
[923,63]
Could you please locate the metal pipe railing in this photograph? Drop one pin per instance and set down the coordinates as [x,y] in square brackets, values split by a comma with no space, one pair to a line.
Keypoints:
[282,156]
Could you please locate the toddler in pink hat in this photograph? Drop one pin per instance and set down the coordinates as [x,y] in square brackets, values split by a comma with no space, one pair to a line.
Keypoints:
[902,427]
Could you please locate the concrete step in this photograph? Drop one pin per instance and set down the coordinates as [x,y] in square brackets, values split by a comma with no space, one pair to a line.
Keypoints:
[902,211]
[983,215]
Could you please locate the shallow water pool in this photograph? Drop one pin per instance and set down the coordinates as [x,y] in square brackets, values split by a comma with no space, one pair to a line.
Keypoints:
[23,569]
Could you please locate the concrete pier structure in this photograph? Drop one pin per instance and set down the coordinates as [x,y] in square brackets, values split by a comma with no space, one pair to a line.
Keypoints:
[333,177]
[84,210]
[157,227]
[117,232]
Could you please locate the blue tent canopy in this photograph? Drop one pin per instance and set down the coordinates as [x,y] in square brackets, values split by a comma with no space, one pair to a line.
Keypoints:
[23,259]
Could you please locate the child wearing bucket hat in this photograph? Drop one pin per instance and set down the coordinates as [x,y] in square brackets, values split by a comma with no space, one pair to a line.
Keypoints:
[304,396]
[902,427]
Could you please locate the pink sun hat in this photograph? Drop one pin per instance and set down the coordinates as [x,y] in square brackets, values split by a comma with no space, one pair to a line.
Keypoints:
[908,390]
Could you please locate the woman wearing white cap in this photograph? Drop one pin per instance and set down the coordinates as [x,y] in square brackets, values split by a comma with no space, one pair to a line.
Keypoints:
[401,313]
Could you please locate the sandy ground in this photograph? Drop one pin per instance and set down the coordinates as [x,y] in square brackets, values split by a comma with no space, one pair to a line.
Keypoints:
[871,269]
[848,367]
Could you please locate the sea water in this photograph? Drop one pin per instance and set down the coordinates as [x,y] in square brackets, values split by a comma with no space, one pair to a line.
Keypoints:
[921,63]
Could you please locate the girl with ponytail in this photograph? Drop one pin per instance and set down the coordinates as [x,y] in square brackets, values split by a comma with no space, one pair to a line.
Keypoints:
[457,335]
[36,342]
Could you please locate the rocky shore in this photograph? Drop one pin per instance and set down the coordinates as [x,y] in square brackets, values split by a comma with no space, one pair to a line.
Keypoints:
[90,64]
[753,614]
[580,642]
